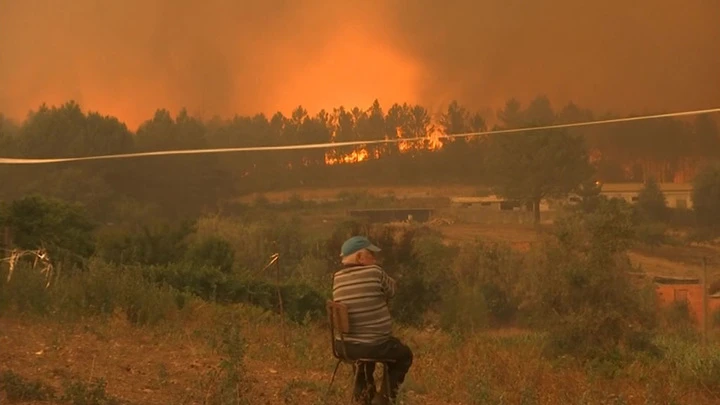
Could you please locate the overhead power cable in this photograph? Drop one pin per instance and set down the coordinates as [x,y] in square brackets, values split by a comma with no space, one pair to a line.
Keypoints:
[330,145]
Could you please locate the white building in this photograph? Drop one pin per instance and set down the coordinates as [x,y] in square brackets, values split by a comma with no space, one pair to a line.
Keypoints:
[677,195]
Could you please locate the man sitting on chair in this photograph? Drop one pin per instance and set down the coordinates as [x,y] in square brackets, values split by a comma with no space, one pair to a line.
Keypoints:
[365,289]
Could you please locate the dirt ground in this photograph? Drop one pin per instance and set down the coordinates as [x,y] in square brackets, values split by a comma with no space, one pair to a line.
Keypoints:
[175,365]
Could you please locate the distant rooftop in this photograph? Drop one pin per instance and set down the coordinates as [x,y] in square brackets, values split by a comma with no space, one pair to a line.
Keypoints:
[631,187]
[676,280]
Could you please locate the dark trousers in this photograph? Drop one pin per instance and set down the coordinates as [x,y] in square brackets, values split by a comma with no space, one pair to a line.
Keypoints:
[392,349]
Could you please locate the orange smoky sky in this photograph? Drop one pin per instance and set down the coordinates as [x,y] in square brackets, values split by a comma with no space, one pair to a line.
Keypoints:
[128,58]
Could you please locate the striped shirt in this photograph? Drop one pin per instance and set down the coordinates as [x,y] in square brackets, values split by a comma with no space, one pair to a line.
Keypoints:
[365,291]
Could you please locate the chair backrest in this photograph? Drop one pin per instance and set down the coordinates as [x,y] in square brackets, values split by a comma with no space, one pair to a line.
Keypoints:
[338,316]
[339,321]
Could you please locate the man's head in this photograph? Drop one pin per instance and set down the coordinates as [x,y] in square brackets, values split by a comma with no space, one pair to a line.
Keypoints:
[358,250]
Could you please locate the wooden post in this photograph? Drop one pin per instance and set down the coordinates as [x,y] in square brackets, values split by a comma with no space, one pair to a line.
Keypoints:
[7,244]
[705,301]
[280,301]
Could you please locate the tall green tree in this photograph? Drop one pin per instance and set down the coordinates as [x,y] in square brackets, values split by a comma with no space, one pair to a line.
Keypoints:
[461,155]
[531,166]
[181,185]
[651,203]
[68,131]
[706,196]
[371,127]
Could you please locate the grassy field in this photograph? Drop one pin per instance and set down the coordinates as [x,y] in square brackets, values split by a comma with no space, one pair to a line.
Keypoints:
[681,260]
[206,353]
[669,260]
[319,194]
[190,361]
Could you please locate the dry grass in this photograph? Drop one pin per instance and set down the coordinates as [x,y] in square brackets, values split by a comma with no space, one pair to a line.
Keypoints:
[332,193]
[519,236]
[175,364]
[666,260]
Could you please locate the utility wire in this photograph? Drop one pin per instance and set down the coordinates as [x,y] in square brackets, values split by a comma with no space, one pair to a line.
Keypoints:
[330,145]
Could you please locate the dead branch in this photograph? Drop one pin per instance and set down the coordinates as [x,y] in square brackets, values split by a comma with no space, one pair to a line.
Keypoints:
[40,257]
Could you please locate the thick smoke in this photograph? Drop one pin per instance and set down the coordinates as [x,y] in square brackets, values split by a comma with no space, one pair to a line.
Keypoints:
[219,57]
[629,56]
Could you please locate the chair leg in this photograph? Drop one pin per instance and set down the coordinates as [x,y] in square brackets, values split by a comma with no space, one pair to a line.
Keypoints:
[386,381]
[327,394]
[356,374]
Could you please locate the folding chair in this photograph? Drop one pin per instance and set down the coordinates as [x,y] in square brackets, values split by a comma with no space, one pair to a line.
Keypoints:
[339,326]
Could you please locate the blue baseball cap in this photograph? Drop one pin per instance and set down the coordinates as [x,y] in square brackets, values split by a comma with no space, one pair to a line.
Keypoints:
[355,244]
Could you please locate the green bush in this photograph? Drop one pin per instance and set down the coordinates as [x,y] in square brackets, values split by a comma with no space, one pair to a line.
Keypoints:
[493,270]
[255,240]
[414,255]
[210,283]
[678,320]
[706,197]
[101,291]
[465,310]
[62,228]
[206,282]
[24,292]
[424,274]
[651,205]
[651,234]
[156,244]
[20,389]
[214,252]
[582,291]
[300,301]
[692,362]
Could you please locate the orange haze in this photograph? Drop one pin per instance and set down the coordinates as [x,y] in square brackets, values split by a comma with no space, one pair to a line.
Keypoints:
[220,57]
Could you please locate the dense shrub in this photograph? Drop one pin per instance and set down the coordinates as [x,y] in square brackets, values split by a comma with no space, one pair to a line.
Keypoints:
[414,255]
[652,234]
[651,204]
[205,282]
[576,284]
[582,290]
[493,272]
[62,228]
[100,291]
[678,320]
[425,280]
[464,310]
[156,244]
[706,198]
[254,240]
[210,283]
[300,301]
[214,252]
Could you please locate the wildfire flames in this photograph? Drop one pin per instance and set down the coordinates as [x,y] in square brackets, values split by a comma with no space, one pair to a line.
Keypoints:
[356,156]
[362,154]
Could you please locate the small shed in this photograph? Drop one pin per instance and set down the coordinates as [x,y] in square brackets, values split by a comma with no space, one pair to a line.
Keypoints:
[686,289]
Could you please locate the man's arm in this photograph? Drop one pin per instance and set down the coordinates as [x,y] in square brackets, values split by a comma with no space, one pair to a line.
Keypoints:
[388,284]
